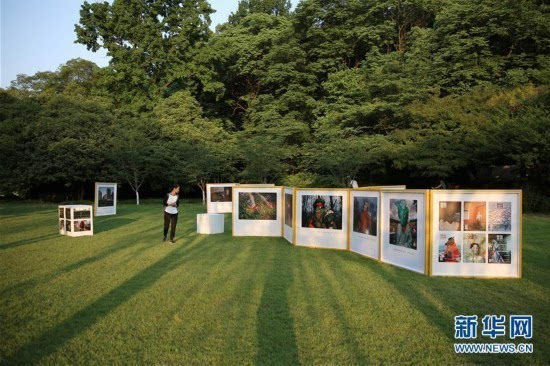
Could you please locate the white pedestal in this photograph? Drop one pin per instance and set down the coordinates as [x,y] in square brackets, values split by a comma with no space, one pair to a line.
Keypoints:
[209,223]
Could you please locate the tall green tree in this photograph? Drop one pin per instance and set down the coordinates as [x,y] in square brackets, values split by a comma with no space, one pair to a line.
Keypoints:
[272,7]
[196,149]
[133,153]
[151,43]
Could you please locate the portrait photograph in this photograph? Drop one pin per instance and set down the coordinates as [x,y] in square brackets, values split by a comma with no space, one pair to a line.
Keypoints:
[68,213]
[68,225]
[475,248]
[475,216]
[288,209]
[257,206]
[365,213]
[403,223]
[61,213]
[450,249]
[221,194]
[500,216]
[82,225]
[322,212]
[449,215]
[499,248]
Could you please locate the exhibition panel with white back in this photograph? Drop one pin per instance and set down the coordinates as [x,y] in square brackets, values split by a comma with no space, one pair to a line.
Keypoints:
[403,227]
[364,222]
[322,217]
[476,233]
[289,214]
[219,197]
[257,211]
[105,199]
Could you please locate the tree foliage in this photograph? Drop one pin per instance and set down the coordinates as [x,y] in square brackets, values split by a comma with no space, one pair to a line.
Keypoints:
[385,91]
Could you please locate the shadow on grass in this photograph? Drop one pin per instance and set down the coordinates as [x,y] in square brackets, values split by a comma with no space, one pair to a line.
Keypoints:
[129,242]
[275,326]
[56,337]
[29,284]
[440,299]
[319,285]
[104,225]
[339,307]
[22,242]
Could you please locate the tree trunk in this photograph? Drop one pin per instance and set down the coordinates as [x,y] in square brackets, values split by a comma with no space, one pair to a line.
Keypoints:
[137,197]
[202,185]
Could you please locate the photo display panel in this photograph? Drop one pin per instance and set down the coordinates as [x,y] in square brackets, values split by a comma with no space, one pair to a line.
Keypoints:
[105,199]
[257,211]
[322,218]
[476,233]
[288,229]
[403,229]
[219,197]
[364,223]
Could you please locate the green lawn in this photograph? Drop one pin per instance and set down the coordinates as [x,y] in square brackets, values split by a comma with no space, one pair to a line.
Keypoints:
[124,297]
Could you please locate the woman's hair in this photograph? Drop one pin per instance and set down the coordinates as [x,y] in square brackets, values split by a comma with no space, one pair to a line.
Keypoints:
[173,186]
[472,245]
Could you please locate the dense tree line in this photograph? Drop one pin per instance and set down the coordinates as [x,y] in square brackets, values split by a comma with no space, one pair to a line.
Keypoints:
[383,91]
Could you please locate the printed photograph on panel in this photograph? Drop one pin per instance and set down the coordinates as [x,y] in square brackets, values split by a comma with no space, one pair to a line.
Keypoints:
[449,216]
[221,194]
[365,213]
[449,249]
[322,212]
[475,216]
[288,209]
[500,216]
[499,248]
[475,248]
[403,223]
[105,196]
[257,206]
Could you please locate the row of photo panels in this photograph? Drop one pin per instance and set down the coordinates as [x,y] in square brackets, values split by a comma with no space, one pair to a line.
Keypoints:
[472,233]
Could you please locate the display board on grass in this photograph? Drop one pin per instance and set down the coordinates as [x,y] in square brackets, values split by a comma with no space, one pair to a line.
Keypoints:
[364,223]
[476,233]
[322,217]
[105,199]
[257,211]
[76,220]
[403,228]
[289,214]
[219,197]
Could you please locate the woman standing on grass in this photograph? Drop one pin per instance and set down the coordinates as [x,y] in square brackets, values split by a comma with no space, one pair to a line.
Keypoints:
[171,204]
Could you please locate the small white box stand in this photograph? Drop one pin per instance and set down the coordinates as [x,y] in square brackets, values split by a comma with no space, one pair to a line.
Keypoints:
[209,223]
[76,220]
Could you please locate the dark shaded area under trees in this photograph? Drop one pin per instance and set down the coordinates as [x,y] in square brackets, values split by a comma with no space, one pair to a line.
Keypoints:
[387,92]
